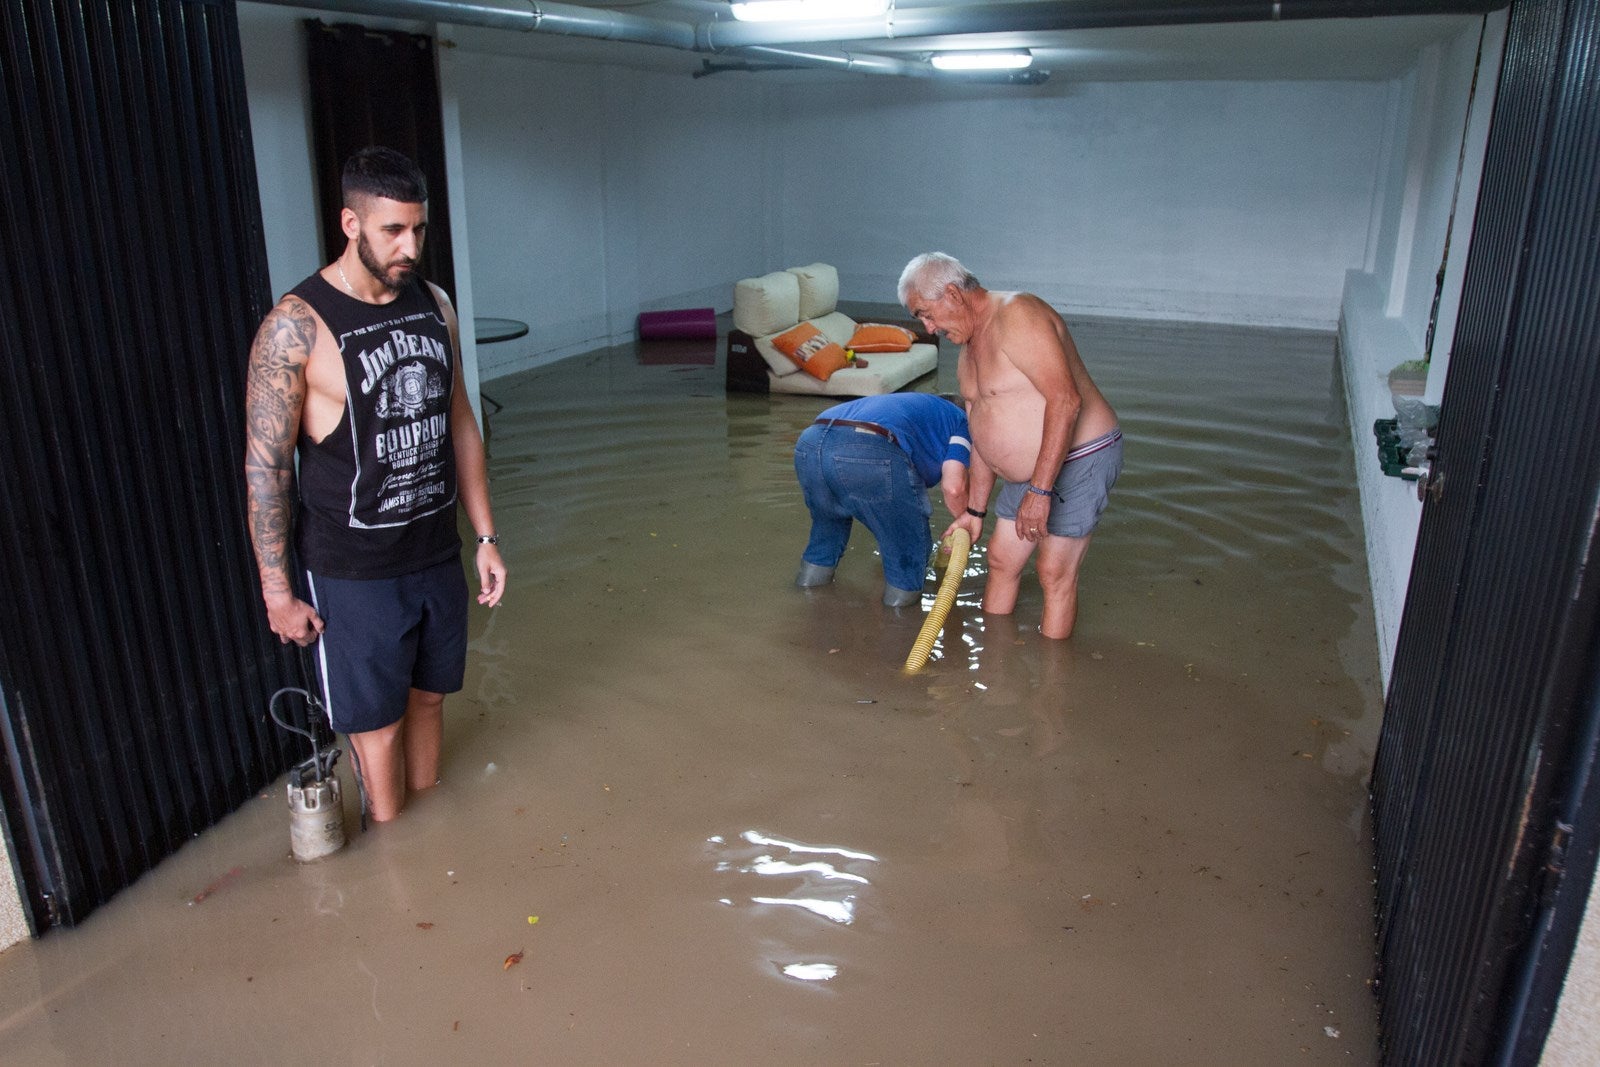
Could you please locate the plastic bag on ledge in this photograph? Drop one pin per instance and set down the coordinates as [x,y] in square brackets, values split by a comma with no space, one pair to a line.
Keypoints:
[1410,437]
[1411,412]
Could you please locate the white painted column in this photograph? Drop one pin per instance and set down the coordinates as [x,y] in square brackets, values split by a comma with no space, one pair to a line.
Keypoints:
[455,181]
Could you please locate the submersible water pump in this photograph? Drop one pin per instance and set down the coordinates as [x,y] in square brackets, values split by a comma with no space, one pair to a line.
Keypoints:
[316,806]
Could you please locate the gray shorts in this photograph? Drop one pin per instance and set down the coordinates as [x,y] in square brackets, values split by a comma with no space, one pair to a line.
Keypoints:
[1080,491]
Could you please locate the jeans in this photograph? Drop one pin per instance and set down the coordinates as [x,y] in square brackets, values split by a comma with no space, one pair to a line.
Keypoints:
[846,474]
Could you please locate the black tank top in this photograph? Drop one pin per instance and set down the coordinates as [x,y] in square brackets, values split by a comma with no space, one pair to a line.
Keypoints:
[378,494]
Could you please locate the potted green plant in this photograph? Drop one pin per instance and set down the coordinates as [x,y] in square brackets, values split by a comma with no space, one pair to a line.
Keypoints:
[1409,378]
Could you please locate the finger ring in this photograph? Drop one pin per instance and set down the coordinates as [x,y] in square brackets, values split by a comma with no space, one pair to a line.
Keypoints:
[1033,529]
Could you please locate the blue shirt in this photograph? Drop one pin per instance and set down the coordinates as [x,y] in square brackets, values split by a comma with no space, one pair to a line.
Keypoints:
[928,427]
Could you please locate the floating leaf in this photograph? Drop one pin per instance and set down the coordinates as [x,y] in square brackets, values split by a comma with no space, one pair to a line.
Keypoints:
[513,959]
[199,898]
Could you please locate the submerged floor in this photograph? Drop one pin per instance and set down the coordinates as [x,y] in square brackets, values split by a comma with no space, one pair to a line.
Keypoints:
[719,827]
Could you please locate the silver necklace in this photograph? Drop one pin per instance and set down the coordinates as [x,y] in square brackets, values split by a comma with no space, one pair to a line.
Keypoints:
[346,281]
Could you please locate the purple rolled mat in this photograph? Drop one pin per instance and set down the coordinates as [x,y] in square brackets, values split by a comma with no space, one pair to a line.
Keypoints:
[684,322]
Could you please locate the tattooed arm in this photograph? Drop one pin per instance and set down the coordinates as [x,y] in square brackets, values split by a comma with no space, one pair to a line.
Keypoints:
[275,394]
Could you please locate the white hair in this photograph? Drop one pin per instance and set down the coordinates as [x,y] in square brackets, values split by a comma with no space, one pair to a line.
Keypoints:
[928,274]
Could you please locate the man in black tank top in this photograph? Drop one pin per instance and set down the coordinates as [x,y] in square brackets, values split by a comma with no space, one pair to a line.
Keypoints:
[358,368]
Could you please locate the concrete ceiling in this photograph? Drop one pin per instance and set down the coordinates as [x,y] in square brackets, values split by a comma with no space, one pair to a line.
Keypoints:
[1302,49]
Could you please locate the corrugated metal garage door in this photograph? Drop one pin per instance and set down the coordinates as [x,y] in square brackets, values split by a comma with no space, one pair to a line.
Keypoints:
[134,660]
[1488,723]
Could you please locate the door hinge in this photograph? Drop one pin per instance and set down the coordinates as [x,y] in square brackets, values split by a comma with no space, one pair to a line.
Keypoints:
[1430,480]
[1555,863]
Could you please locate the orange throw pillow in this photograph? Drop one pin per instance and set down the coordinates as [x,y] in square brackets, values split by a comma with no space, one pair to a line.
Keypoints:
[880,337]
[811,351]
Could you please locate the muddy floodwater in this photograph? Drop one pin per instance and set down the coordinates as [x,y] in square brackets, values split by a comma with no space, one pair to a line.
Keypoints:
[692,814]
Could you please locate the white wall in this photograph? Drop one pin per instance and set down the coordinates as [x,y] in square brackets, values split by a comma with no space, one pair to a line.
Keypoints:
[280,127]
[596,192]
[1435,132]
[1219,201]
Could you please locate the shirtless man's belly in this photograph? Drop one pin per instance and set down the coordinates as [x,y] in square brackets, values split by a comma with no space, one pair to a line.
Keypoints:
[1008,405]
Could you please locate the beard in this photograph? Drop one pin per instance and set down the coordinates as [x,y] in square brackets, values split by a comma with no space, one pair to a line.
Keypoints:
[393,277]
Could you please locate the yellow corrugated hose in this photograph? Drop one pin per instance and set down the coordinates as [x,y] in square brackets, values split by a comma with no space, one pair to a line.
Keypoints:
[960,544]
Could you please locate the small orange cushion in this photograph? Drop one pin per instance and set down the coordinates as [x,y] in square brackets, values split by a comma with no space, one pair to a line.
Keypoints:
[811,351]
[880,337]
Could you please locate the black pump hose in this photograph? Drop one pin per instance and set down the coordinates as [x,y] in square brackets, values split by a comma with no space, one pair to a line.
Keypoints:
[323,764]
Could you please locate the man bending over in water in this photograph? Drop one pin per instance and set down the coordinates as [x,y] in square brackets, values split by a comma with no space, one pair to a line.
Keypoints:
[1038,422]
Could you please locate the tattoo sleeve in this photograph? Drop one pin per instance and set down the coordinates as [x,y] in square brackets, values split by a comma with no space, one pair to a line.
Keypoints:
[275,391]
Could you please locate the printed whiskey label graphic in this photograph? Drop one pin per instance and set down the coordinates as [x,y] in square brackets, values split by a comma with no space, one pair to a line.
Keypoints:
[376,363]
[399,402]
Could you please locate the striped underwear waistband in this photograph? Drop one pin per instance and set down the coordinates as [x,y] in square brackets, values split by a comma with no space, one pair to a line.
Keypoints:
[1091,447]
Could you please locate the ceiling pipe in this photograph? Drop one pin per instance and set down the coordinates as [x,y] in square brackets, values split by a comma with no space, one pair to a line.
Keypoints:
[1071,15]
[531,16]
[844,61]
[872,64]
[761,41]
[524,15]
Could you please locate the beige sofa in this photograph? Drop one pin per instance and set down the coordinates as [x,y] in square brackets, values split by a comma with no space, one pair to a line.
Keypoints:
[767,306]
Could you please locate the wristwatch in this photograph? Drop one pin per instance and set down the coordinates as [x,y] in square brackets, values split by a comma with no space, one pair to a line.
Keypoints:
[488,539]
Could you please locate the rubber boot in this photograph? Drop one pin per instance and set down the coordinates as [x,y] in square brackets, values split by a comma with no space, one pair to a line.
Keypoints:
[812,575]
[900,598]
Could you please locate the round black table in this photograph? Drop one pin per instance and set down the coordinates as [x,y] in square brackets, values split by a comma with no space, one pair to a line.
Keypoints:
[487,331]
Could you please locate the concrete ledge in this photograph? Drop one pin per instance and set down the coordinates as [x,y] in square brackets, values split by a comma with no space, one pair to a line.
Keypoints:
[1369,345]
[13,921]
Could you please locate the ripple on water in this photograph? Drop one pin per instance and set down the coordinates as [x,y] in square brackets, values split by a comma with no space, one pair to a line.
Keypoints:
[824,882]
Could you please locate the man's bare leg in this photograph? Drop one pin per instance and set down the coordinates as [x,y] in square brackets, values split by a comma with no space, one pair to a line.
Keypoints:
[403,755]
[424,738]
[1058,564]
[381,755]
[1008,554]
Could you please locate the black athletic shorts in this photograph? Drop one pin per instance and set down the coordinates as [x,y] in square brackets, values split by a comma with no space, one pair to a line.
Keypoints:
[383,637]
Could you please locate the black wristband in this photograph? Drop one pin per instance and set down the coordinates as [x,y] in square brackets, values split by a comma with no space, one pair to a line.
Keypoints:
[978,514]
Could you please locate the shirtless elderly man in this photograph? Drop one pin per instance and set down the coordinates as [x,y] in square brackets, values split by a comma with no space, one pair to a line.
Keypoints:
[1038,423]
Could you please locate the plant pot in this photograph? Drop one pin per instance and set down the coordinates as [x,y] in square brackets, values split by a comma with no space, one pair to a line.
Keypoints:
[1408,381]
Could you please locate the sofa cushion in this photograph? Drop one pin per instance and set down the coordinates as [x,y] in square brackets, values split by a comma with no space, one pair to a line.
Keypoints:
[835,326]
[811,350]
[819,289]
[880,337]
[766,304]
[882,374]
[777,363]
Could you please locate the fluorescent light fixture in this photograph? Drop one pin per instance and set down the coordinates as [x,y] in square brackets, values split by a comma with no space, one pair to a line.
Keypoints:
[1009,59]
[807,10]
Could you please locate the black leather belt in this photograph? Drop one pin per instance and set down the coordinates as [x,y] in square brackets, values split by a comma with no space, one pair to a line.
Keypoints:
[867,427]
